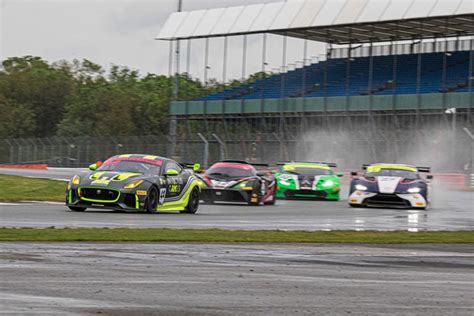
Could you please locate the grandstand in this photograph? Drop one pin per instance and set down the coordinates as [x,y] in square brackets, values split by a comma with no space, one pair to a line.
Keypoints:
[309,81]
[390,68]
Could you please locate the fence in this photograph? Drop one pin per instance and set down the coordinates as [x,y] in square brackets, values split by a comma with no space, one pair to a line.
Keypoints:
[348,150]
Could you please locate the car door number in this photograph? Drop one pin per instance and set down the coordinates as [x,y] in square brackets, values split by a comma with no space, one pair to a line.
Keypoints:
[162,196]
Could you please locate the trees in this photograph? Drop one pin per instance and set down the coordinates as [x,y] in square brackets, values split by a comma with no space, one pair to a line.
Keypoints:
[29,84]
[80,98]
[17,120]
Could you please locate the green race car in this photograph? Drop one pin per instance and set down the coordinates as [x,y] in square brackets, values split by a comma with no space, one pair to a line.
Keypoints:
[308,180]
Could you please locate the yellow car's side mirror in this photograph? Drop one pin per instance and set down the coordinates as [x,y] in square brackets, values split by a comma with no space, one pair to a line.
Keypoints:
[171,173]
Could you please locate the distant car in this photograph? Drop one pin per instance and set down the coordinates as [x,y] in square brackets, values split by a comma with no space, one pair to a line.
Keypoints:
[135,183]
[390,185]
[308,180]
[239,182]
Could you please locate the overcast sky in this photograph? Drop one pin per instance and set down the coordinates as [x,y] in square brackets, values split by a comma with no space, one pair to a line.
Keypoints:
[122,32]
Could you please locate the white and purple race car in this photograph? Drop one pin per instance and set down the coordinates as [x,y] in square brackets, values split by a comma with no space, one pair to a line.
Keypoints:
[390,185]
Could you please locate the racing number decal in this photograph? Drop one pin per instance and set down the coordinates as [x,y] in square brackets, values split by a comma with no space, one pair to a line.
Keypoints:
[162,196]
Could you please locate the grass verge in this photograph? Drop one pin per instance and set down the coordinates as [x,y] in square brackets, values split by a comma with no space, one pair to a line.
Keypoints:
[15,188]
[218,235]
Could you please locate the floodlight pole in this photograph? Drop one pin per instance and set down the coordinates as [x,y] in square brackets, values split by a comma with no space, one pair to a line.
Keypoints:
[471,162]
[470,80]
[175,93]
[262,84]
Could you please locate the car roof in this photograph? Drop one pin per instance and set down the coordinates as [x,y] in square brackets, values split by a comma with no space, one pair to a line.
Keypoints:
[236,165]
[149,157]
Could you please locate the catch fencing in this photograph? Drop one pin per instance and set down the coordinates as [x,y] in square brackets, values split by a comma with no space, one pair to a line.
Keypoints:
[349,151]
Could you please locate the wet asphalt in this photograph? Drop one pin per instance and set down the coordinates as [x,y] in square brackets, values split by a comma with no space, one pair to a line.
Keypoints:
[240,279]
[451,211]
[237,279]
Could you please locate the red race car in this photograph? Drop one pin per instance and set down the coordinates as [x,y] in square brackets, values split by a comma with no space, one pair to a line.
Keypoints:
[239,182]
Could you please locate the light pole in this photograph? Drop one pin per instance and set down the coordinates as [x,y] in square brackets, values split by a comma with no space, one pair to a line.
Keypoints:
[452,111]
[453,120]
[470,171]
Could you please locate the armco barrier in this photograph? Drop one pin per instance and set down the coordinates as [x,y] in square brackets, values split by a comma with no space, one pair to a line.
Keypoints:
[457,180]
[27,166]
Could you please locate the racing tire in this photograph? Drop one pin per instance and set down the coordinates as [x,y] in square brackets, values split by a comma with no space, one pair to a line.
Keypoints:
[77,209]
[272,201]
[259,197]
[151,202]
[356,205]
[193,203]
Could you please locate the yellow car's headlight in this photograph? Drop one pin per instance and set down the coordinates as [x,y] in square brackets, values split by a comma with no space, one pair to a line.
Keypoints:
[76,180]
[133,184]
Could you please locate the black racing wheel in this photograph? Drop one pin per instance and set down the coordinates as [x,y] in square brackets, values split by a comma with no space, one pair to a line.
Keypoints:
[256,195]
[151,202]
[77,209]
[193,203]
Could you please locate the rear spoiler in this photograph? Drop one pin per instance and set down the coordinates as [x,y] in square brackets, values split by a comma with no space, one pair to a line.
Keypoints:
[423,169]
[256,164]
[420,169]
[329,164]
[193,166]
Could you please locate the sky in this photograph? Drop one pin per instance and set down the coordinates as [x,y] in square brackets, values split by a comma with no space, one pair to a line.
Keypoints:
[123,32]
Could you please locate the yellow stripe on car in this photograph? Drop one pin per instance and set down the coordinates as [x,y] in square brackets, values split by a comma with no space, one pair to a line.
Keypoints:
[125,176]
[180,204]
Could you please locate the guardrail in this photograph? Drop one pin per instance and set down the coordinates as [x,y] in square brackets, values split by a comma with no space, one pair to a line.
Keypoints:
[26,166]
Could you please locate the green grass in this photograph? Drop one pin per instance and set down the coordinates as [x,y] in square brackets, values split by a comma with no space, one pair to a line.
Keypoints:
[218,235]
[14,189]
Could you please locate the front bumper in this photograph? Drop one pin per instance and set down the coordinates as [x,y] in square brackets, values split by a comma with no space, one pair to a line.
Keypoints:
[330,194]
[374,199]
[126,200]
[226,195]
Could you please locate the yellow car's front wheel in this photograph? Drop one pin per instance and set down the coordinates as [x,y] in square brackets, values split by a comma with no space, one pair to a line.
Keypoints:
[193,203]
[152,200]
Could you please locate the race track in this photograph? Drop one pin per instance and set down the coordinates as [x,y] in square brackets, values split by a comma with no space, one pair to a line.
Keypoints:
[235,279]
[454,213]
[240,279]
[451,210]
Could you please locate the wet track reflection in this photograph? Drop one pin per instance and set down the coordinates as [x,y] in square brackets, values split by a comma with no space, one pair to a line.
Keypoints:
[455,210]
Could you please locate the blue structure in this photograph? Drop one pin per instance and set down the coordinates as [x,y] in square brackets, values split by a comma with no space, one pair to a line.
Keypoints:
[392,74]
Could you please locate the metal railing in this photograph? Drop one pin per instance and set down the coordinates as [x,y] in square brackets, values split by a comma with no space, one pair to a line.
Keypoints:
[348,150]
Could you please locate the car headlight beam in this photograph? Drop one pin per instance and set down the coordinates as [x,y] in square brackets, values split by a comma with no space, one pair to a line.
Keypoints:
[76,180]
[328,183]
[414,190]
[360,187]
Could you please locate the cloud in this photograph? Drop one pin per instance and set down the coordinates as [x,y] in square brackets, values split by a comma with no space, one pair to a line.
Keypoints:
[121,32]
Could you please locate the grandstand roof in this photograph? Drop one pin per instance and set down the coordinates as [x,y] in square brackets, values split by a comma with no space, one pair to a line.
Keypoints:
[333,21]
